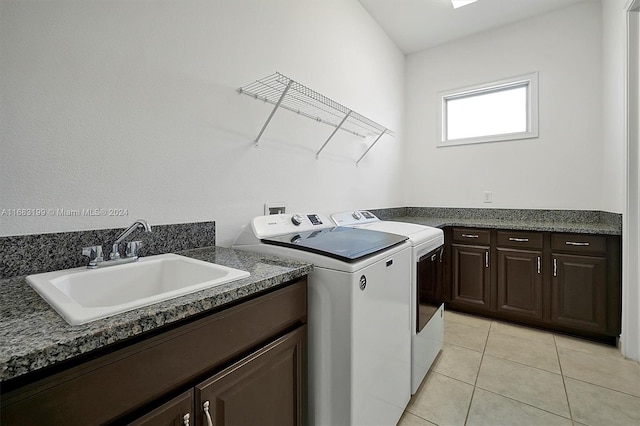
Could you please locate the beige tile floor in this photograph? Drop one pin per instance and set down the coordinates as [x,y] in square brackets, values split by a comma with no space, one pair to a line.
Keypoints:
[494,373]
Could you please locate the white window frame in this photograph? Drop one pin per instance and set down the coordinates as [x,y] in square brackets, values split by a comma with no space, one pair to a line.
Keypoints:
[530,81]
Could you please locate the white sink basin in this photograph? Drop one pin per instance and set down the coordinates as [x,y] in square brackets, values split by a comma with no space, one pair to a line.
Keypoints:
[82,295]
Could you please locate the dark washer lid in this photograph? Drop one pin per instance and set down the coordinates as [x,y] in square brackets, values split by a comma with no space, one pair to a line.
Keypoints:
[346,244]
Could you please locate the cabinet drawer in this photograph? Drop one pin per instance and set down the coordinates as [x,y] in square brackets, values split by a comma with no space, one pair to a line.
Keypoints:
[473,236]
[578,243]
[520,239]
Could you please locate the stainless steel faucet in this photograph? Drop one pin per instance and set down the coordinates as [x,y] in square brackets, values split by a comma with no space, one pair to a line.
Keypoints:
[115,251]
[94,253]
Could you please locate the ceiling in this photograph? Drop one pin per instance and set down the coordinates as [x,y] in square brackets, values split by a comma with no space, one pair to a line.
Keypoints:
[414,25]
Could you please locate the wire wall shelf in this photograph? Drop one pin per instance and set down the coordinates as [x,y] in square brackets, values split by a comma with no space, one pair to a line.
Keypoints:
[283,92]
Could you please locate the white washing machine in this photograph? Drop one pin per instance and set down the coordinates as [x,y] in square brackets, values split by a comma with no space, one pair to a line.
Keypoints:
[359,363]
[427,299]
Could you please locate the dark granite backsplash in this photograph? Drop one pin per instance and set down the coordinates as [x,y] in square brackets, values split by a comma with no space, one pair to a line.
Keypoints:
[390,213]
[33,254]
[550,216]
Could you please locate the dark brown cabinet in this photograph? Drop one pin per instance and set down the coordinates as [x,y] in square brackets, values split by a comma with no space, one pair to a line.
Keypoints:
[579,288]
[470,269]
[519,275]
[579,292]
[259,344]
[264,389]
[520,282]
[471,276]
[559,281]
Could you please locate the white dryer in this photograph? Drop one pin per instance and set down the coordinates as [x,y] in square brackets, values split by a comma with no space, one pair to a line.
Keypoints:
[359,363]
[427,299]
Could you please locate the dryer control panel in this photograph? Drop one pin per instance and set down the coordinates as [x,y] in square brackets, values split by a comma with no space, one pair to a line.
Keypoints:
[354,217]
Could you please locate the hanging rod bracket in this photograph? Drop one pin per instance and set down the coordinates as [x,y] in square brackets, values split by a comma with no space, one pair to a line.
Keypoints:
[333,133]
[371,146]
[277,105]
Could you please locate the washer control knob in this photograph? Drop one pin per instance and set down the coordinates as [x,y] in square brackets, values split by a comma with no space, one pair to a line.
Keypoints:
[356,215]
[296,219]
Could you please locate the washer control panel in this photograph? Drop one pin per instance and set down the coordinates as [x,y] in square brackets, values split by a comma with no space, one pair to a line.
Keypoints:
[280,224]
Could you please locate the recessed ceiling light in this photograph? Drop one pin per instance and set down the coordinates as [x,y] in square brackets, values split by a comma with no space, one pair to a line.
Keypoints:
[459,3]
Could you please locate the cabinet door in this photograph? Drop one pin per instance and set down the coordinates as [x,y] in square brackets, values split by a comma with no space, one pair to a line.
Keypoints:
[520,282]
[265,388]
[471,276]
[177,412]
[579,292]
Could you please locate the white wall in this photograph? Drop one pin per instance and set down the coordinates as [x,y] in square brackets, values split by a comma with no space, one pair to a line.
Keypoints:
[613,42]
[132,105]
[562,169]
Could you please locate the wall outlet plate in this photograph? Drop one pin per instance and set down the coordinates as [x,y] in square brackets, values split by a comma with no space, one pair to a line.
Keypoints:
[488,196]
[274,208]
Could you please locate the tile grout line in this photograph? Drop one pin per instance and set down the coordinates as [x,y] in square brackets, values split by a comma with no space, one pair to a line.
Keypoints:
[564,384]
[465,347]
[475,383]
[452,378]
[603,387]
[604,358]
[533,341]
[525,365]
[524,403]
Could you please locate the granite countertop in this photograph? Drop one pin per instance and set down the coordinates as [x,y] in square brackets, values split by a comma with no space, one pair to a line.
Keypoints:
[34,336]
[514,224]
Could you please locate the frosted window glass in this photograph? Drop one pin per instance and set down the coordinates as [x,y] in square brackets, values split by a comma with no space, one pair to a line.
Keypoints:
[490,113]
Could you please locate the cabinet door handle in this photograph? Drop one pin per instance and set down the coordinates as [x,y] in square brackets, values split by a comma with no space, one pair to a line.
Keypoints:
[486,259]
[555,267]
[185,419]
[573,243]
[538,264]
[519,240]
[205,407]
[469,236]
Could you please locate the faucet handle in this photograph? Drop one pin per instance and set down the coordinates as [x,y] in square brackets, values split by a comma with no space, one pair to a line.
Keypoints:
[132,248]
[115,252]
[94,253]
